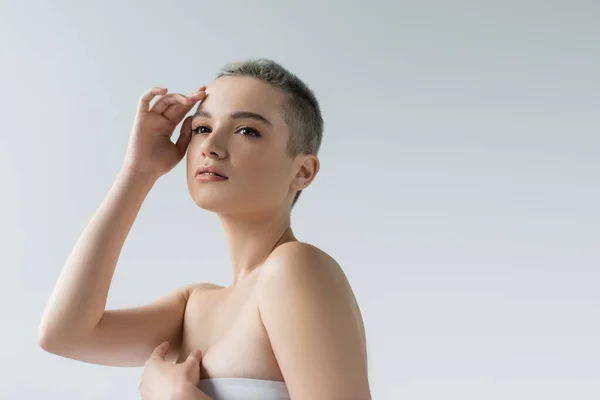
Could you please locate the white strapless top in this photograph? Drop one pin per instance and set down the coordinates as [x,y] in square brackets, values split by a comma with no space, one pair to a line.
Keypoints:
[244,389]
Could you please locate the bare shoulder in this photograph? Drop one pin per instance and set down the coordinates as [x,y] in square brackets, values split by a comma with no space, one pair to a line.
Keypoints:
[299,247]
[201,288]
[204,286]
[305,267]
[313,323]
[309,271]
[201,298]
[300,255]
[301,258]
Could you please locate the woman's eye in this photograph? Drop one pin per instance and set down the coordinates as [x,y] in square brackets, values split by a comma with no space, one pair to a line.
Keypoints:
[200,129]
[244,131]
[249,132]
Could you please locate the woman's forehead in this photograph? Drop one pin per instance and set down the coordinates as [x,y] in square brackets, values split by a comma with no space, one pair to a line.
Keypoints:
[231,94]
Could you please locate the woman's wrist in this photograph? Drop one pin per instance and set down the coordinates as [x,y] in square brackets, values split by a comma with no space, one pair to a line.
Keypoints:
[131,174]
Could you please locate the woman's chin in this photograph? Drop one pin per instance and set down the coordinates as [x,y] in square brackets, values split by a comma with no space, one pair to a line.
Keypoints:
[210,204]
[215,202]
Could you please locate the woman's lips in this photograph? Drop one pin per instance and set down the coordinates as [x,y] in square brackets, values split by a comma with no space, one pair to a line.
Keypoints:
[210,178]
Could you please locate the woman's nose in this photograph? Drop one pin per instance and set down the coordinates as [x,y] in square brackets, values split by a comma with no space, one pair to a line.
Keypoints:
[211,146]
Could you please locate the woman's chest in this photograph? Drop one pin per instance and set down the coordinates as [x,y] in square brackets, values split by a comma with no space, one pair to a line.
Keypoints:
[227,329]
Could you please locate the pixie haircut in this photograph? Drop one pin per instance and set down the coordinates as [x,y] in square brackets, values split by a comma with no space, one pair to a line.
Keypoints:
[301,111]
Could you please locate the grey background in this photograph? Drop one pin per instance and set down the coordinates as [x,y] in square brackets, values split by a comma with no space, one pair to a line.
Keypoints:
[459,185]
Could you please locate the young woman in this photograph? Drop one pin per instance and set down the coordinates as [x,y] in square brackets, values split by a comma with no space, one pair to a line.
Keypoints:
[288,326]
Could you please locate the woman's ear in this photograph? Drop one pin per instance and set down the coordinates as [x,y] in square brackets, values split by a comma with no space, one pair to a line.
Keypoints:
[308,168]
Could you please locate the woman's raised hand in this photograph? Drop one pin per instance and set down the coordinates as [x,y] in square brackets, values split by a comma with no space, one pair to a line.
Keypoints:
[150,150]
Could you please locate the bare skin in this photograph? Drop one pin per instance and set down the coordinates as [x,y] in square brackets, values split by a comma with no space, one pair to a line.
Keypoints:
[289,313]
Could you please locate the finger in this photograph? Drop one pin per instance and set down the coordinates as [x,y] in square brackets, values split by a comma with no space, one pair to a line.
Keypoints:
[185,136]
[160,351]
[170,99]
[201,101]
[146,98]
[176,112]
[195,357]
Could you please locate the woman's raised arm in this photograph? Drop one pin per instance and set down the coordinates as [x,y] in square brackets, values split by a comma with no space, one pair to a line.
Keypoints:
[75,323]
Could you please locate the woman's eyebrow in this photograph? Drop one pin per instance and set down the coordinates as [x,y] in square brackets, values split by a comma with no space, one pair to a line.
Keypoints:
[237,115]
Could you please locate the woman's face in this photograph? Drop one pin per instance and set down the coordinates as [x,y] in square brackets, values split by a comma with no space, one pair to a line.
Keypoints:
[239,129]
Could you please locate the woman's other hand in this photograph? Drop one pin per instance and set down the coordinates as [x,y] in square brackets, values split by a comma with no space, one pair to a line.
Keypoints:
[162,379]
[150,150]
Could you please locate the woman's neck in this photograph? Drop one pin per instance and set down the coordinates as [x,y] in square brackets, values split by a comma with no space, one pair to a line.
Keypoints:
[251,240]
